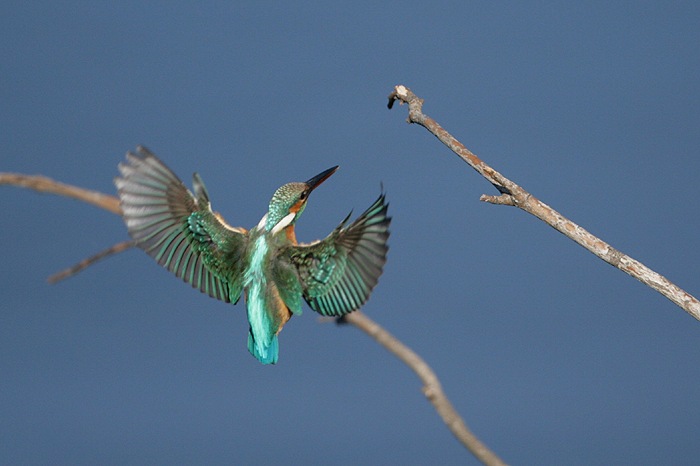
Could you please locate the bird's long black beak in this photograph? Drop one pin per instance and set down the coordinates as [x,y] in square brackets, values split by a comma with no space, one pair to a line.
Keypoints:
[314,182]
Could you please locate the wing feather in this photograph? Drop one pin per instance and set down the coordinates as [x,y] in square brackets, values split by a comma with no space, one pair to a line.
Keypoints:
[179,230]
[339,272]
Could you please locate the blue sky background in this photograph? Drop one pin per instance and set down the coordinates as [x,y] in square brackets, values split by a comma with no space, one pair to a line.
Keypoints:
[552,356]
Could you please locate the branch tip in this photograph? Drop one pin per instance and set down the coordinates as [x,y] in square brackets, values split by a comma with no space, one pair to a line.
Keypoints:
[402,94]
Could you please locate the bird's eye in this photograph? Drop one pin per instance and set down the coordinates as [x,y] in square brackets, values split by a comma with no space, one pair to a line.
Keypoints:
[303,195]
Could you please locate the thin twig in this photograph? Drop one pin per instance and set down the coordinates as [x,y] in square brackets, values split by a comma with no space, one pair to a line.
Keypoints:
[85,263]
[514,195]
[432,388]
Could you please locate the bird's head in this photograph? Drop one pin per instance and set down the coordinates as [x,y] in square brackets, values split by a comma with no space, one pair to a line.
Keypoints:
[289,201]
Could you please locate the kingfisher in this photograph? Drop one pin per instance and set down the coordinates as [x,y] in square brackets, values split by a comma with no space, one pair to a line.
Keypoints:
[265,264]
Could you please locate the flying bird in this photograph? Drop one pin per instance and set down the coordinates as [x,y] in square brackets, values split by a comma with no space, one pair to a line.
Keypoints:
[265,264]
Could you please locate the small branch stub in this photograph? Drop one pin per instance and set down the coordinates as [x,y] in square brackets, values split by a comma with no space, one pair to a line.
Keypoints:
[503,199]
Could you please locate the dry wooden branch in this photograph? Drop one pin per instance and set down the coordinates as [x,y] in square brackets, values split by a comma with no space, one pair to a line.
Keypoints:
[47,185]
[85,263]
[432,388]
[514,195]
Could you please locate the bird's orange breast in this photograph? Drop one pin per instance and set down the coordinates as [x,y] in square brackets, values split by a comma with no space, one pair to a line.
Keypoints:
[291,235]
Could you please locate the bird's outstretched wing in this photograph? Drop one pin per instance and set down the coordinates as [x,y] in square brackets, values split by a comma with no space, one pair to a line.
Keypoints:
[338,273]
[179,229]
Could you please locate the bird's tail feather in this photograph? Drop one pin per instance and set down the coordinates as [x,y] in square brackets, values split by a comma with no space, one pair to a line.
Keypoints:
[267,355]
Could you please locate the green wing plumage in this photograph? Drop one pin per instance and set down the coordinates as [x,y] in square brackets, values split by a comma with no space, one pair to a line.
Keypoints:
[178,229]
[338,273]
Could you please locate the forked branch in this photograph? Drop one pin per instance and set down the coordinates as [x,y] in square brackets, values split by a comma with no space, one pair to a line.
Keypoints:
[432,388]
[514,195]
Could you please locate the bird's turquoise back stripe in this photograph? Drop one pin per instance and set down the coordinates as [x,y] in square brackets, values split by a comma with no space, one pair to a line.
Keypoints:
[255,281]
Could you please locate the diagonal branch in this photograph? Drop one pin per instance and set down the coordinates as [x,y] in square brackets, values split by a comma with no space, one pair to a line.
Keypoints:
[47,185]
[514,195]
[431,388]
[85,263]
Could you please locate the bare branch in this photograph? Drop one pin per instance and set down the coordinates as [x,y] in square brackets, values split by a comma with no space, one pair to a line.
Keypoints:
[47,185]
[85,263]
[514,195]
[432,389]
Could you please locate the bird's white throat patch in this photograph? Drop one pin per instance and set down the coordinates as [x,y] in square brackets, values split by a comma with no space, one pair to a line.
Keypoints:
[284,223]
